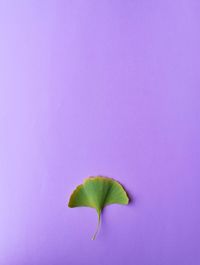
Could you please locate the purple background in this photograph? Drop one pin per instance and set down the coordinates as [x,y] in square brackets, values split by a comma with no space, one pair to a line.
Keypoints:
[99,87]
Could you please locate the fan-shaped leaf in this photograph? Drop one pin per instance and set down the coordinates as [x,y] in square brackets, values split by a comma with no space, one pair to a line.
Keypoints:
[97,192]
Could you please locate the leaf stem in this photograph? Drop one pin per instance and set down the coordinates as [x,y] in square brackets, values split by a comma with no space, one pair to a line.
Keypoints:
[98,225]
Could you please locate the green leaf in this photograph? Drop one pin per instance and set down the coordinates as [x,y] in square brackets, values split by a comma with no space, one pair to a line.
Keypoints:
[97,192]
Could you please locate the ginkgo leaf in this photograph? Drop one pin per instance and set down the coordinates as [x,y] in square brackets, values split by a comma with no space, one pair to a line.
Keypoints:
[97,192]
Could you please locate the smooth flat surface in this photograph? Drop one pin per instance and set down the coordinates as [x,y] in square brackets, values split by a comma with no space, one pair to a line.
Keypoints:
[99,87]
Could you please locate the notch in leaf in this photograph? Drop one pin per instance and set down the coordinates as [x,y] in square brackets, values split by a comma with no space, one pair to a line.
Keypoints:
[97,192]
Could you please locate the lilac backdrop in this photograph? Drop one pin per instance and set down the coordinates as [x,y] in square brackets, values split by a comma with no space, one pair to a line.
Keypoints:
[99,87]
